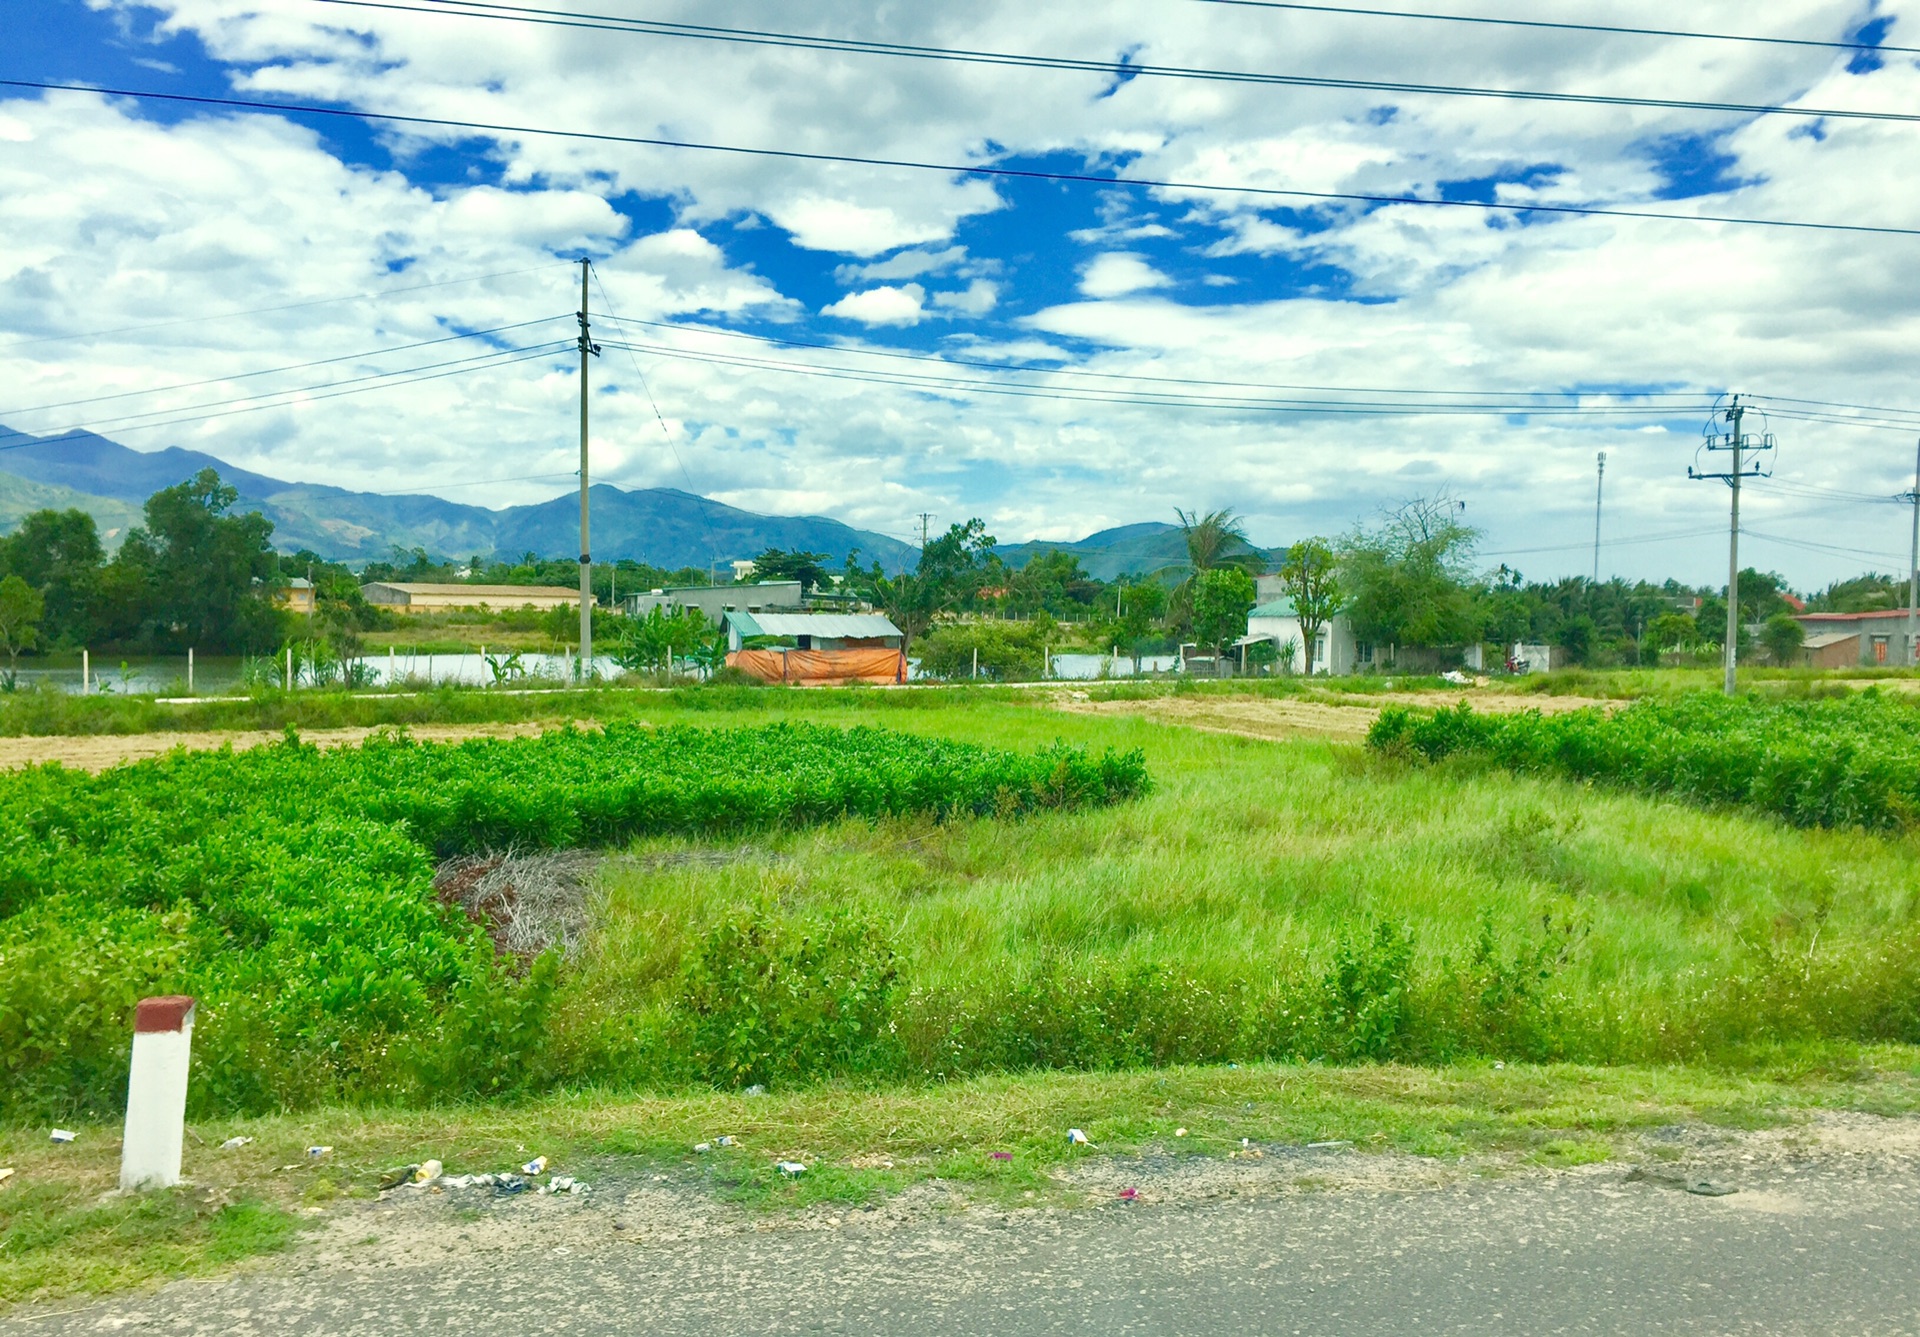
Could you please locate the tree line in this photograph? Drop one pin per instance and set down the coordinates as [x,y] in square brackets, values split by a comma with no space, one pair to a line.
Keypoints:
[199,573]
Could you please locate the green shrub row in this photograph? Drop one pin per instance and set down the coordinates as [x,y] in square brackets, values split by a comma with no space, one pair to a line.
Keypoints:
[291,891]
[1841,762]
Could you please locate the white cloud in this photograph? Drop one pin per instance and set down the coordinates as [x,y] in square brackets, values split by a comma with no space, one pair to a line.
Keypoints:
[211,214]
[1117,273]
[885,305]
[976,299]
[908,264]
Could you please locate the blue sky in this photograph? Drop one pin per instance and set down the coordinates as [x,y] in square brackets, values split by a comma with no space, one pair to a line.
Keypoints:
[115,214]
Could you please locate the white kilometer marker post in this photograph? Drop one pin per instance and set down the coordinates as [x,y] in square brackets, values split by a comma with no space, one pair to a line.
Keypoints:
[157,1093]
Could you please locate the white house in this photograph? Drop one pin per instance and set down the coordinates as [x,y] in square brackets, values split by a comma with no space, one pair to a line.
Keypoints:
[1334,649]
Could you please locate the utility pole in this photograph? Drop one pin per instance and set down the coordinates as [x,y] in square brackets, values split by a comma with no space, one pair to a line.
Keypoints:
[1744,466]
[1913,571]
[925,516]
[1599,486]
[587,350]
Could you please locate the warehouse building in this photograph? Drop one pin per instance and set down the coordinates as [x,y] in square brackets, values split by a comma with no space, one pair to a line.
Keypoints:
[404,597]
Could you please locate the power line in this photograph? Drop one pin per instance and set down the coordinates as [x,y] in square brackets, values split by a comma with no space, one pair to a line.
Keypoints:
[256,310]
[325,385]
[1039,369]
[562,18]
[1618,29]
[1826,548]
[1672,537]
[275,371]
[712,547]
[960,169]
[1076,394]
[307,396]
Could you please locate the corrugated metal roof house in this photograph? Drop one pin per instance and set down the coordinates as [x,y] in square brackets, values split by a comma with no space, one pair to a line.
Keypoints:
[411,597]
[816,631]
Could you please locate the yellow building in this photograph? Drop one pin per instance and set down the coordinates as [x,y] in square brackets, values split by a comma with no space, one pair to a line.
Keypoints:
[413,598]
[297,596]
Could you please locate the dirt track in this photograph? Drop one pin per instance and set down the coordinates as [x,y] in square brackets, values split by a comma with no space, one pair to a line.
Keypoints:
[1346,719]
[96,752]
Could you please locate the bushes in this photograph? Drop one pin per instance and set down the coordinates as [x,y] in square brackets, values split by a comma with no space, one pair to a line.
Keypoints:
[764,999]
[291,891]
[1852,761]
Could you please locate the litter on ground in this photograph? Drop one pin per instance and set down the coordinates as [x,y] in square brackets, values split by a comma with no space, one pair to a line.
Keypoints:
[1076,1138]
[235,1143]
[726,1141]
[791,1169]
[1179,1132]
[427,1171]
[6,1173]
[755,1090]
[703,1146]
[62,1135]
[538,1165]
[1129,1195]
[1003,1155]
[319,1153]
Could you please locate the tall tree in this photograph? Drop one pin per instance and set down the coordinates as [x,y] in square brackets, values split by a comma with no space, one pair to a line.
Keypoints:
[20,610]
[1222,598]
[1311,576]
[206,574]
[1408,578]
[59,554]
[805,567]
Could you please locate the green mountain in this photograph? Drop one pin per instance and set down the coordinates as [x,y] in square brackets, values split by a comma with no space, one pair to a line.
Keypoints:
[21,496]
[662,526]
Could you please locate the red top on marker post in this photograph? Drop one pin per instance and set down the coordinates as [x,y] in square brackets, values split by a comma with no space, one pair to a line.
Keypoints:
[169,1013]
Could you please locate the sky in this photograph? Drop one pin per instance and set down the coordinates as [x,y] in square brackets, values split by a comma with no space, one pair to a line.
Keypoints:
[389,307]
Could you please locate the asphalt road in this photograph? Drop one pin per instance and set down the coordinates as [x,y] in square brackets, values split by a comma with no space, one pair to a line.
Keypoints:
[1821,1248]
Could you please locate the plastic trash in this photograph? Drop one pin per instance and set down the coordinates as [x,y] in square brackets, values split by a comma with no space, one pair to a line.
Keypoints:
[1129,1195]
[792,1169]
[536,1166]
[6,1173]
[235,1143]
[1179,1132]
[703,1146]
[755,1090]
[427,1171]
[395,1178]
[508,1185]
[727,1141]
[560,1183]
[1328,1146]
[319,1153]
[62,1135]
[1076,1138]
[1498,1066]
[1003,1155]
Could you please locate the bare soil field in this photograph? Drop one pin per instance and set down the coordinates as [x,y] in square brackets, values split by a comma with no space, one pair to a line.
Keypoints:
[96,752]
[1344,717]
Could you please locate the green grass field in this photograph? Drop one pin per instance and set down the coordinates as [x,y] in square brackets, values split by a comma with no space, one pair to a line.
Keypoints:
[1298,908]
[1637,930]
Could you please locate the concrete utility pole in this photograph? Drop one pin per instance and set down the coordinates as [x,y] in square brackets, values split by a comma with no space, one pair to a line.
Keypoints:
[1733,554]
[925,516]
[1744,466]
[1913,570]
[587,351]
[1599,485]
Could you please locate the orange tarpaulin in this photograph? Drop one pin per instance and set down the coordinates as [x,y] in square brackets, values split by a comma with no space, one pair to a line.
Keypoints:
[807,668]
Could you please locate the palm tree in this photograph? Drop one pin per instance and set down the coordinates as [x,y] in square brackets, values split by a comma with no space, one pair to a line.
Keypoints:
[1215,540]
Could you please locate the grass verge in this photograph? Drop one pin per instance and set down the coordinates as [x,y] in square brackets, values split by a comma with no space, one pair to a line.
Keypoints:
[61,1234]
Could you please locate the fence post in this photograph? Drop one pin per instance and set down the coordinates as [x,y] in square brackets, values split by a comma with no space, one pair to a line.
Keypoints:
[157,1093]
[86,673]
[289,678]
[189,670]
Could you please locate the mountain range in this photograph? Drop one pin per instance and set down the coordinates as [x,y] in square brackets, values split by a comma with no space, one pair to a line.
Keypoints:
[661,526]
